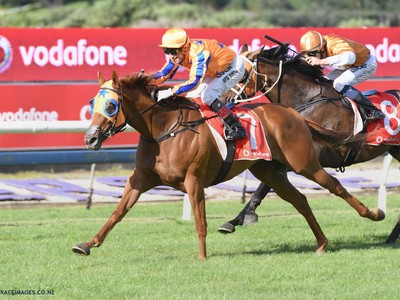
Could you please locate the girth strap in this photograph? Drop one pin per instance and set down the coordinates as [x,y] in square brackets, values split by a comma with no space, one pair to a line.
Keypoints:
[226,165]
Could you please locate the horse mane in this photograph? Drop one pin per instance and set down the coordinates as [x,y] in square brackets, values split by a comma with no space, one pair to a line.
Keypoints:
[146,83]
[139,80]
[295,63]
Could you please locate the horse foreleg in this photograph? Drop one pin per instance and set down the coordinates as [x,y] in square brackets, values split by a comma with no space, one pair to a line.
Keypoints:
[248,215]
[251,216]
[129,198]
[394,235]
[195,190]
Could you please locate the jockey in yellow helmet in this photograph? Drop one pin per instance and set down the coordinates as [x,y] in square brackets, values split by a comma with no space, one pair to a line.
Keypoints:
[213,70]
[352,63]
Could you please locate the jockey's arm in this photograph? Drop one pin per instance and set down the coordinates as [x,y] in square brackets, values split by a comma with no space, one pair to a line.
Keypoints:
[196,74]
[340,60]
[166,72]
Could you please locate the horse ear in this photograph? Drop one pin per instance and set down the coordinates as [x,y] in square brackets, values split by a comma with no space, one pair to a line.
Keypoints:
[245,48]
[253,55]
[100,78]
[115,79]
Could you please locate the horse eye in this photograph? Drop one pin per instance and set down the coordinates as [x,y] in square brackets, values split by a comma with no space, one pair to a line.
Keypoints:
[111,108]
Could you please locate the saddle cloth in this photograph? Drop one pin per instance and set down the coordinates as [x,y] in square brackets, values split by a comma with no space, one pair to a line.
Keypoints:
[255,146]
[387,130]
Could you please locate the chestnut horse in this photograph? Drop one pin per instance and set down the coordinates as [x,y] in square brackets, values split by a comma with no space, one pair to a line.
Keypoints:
[293,82]
[177,149]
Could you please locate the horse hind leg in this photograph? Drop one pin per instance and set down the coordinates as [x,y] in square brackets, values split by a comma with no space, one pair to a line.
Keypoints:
[284,189]
[335,187]
[248,215]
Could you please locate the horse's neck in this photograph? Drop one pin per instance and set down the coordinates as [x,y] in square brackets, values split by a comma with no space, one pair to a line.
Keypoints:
[153,121]
[297,90]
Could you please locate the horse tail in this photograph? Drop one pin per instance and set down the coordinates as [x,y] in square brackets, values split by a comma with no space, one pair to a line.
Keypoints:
[333,138]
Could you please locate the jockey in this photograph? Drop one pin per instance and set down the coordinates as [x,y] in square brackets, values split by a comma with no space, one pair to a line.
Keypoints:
[351,61]
[213,70]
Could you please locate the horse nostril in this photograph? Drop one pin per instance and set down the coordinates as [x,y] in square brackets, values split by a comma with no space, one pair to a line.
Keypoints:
[92,141]
[93,138]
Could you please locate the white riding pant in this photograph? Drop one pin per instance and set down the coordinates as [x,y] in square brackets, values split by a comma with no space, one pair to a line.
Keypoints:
[212,88]
[353,75]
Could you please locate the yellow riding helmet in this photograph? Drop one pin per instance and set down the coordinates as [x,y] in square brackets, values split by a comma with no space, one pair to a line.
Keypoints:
[311,41]
[174,38]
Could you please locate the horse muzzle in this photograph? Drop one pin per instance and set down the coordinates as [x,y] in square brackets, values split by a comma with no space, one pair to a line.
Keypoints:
[94,138]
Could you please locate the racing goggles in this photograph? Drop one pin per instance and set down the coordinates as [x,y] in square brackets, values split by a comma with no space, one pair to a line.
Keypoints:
[314,53]
[172,51]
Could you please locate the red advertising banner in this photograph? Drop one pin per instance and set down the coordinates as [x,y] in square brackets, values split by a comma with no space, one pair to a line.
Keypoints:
[51,103]
[50,74]
[74,54]
[70,102]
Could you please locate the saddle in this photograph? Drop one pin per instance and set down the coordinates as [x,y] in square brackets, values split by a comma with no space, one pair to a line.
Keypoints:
[362,109]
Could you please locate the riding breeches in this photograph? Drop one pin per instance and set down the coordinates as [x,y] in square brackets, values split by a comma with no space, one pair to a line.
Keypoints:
[212,88]
[353,75]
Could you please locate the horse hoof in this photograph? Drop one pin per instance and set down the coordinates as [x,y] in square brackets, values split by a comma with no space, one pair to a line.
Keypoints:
[250,219]
[320,251]
[226,228]
[81,249]
[379,213]
[321,248]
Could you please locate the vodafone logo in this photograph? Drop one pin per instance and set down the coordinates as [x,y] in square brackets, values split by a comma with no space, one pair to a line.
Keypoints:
[385,51]
[73,55]
[6,54]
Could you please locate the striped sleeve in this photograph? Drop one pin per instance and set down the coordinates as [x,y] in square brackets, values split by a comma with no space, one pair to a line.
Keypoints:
[166,72]
[197,73]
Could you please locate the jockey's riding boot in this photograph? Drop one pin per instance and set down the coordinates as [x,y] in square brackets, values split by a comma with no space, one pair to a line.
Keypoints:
[233,129]
[371,111]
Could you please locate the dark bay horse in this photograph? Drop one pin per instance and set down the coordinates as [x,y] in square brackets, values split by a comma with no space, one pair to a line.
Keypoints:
[177,149]
[293,82]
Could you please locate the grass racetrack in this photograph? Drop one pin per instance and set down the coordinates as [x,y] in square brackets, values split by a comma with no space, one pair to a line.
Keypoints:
[153,254]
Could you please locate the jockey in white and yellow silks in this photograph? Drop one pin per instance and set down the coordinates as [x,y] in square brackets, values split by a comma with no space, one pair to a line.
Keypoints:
[352,63]
[213,70]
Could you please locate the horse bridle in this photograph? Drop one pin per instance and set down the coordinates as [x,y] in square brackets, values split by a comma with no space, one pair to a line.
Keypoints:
[254,71]
[314,100]
[113,129]
[172,132]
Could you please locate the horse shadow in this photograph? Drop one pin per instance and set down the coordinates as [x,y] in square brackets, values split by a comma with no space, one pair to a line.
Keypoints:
[332,248]
[374,241]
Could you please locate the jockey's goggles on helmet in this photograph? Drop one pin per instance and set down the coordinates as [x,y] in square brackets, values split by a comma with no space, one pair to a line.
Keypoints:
[172,51]
[313,53]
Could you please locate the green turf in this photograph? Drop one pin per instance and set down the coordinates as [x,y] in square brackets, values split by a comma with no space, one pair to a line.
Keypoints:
[153,254]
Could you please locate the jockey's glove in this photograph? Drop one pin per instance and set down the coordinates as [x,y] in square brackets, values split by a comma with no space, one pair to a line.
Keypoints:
[164,94]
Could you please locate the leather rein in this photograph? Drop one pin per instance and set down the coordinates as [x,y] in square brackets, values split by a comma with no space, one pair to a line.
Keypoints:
[318,98]
[171,133]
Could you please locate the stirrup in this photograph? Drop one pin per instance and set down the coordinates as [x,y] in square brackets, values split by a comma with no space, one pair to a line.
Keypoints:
[374,114]
[234,133]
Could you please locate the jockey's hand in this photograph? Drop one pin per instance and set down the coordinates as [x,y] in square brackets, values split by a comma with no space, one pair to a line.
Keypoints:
[164,94]
[314,61]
